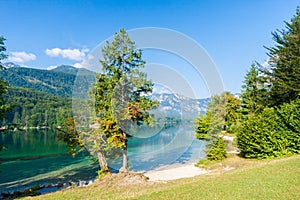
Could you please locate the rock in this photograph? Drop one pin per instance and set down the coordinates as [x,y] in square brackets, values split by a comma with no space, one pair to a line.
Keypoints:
[90,183]
[81,183]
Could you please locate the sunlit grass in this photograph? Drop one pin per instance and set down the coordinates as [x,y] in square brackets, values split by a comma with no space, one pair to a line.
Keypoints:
[251,179]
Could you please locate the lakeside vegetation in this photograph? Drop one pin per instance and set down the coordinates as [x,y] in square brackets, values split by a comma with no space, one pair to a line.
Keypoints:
[265,118]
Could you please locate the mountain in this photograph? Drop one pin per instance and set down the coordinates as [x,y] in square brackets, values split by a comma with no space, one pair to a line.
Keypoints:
[66,69]
[57,82]
[178,106]
[72,70]
[10,65]
[35,91]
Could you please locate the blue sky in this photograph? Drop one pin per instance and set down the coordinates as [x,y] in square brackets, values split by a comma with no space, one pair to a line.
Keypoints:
[41,34]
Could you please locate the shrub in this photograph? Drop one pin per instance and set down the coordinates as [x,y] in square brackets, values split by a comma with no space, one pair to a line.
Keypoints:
[217,150]
[272,133]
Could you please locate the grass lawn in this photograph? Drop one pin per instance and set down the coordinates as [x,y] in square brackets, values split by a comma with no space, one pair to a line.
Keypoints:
[251,179]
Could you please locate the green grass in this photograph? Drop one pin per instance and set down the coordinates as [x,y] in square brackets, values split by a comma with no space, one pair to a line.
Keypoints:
[252,179]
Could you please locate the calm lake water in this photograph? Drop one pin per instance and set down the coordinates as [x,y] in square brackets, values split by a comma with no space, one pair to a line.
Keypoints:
[38,157]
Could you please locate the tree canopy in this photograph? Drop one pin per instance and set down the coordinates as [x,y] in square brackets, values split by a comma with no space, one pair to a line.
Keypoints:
[270,99]
[121,90]
[284,60]
[118,100]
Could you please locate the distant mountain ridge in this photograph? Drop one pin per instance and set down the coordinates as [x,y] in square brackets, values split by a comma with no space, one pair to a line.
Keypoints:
[57,82]
[10,65]
[178,106]
[72,70]
[60,82]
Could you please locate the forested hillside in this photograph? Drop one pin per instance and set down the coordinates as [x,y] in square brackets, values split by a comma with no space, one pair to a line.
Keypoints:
[58,82]
[42,98]
[36,109]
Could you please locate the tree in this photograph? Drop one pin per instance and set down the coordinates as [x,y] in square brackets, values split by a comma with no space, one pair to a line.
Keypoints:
[284,60]
[4,106]
[254,91]
[2,51]
[232,112]
[202,125]
[209,127]
[272,133]
[222,115]
[91,140]
[120,92]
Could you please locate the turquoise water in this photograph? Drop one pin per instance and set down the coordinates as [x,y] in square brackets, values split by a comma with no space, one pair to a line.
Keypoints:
[38,157]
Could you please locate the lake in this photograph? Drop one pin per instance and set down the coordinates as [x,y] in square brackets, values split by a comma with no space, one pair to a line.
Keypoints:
[37,157]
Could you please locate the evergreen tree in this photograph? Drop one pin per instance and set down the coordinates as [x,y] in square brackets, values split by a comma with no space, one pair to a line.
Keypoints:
[2,51]
[209,128]
[232,114]
[254,91]
[4,106]
[202,125]
[120,92]
[284,61]
[222,115]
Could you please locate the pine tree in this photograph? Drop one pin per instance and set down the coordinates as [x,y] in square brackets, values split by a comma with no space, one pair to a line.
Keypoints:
[254,92]
[4,106]
[284,63]
[2,51]
[232,114]
[209,128]
[120,91]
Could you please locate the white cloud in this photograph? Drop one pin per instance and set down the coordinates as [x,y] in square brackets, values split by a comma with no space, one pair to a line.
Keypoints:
[78,65]
[51,67]
[72,54]
[86,63]
[21,57]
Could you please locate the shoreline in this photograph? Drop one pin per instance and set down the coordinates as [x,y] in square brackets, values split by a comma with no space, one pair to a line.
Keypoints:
[162,173]
[174,171]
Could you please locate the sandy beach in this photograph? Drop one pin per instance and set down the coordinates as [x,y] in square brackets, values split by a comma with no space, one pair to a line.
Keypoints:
[173,172]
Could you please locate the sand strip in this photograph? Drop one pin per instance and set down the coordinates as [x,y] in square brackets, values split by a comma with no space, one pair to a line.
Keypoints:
[173,172]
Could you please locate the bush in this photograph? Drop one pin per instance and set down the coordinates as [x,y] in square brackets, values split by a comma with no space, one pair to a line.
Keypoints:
[272,133]
[217,150]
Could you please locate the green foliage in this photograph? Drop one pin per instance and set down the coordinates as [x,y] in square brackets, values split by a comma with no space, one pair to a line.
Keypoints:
[217,150]
[202,125]
[117,99]
[4,106]
[270,99]
[232,112]
[272,133]
[254,92]
[35,109]
[118,95]
[2,51]
[101,173]
[70,136]
[284,60]
[209,127]
[222,114]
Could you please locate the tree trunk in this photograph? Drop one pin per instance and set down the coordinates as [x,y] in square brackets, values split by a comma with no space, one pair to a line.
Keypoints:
[125,158]
[102,162]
